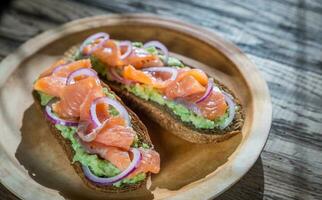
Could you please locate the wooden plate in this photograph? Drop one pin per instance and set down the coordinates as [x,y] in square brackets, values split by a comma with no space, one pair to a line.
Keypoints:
[34,167]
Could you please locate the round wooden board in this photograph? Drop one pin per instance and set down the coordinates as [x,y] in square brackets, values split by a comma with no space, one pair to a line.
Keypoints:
[33,166]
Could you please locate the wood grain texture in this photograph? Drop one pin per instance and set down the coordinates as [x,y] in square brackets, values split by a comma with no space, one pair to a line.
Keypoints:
[283,38]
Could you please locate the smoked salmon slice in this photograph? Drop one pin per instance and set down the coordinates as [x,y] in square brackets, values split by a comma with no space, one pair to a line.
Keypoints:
[198,74]
[50,85]
[139,58]
[48,71]
[130,73]
[184,87]
[157,80]
[101,109]
[67,69]
[114,133]
[213,106]
[72,97]
[53,83]
[150,159]
[150,162]
[119,158]
[109,53]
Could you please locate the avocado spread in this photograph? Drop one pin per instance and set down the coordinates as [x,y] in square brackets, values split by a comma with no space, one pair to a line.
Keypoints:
[99,167]
[44,98]
[148,93]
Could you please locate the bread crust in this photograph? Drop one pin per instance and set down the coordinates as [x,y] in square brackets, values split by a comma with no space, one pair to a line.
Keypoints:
[138,127]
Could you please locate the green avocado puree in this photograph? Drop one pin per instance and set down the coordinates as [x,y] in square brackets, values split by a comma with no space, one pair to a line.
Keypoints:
[150,94]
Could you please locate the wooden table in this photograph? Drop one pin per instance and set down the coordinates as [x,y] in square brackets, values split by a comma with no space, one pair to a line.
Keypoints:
[284,38]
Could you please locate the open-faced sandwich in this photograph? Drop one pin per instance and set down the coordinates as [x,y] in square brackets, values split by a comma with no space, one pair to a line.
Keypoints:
[182,99]
[108,145]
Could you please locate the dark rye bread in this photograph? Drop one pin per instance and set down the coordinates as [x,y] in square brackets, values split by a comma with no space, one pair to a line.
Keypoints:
[138,127]
[167,119]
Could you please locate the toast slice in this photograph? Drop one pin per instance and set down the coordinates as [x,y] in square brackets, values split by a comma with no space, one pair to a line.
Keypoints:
[168,120]
[137,126]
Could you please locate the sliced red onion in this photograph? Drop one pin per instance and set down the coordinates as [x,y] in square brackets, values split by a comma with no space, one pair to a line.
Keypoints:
[194,108]
[116,77]
[231,111]
[208,91]
[59,67]
[128,44]
[82,71]
[117,105]
[99,45]
[55,119]
[108,181]
[81,132]
[160,46]
[141,52]
[92,38]
[191,106]
[173,71]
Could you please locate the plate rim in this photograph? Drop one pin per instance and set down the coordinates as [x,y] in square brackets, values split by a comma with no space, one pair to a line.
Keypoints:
[10,63]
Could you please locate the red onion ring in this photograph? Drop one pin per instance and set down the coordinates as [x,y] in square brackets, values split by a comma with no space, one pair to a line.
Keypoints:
[171,70]
[55,119]
[160,46]
[117,105]
[191,106]
[129,49]
[59,67]
[92,38]
[208,91]
[118,78]
[81,131]
[231,111]
[82,71]
[99,45]
[108,181]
